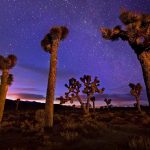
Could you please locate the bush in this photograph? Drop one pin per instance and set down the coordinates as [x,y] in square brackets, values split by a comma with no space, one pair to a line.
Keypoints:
[139,143]
[40,116]
[69,136]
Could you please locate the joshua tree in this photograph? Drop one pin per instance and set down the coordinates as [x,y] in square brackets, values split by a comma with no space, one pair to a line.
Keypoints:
[137,34]
[108,102]
[17,103]
[50,44]
[6,63]
[90,88]
[136,91]
[93,101]
[73,93]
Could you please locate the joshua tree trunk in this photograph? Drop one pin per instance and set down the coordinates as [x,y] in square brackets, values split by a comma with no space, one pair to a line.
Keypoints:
[49,107]
[144,59]
[87,104]
[3,91]
[94,106]
[138,104]
[82,105]
[17,104]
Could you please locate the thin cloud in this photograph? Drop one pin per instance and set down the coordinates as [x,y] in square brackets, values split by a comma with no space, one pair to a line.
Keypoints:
[28,96]
[62,73]
[22,89]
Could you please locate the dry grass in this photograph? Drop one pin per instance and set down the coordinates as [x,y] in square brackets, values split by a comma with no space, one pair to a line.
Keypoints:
[104,129]
[139,143]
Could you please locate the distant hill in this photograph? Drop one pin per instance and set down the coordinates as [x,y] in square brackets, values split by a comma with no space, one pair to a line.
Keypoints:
[26,105]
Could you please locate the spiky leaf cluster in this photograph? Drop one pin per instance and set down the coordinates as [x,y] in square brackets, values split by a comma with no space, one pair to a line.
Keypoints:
[59,33]
[107,101]
[73,91]
[135,89]
[10,79]
[91,87]
[114,34]
[7,62]
[92,98]
[137,30]
[73,88]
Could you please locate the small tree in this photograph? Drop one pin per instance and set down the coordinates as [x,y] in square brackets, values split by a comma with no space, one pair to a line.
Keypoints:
[50,44]
[90,88]
[17,103]
[137,33]
[108,102]
[73,93]
[6,63]
[136,91]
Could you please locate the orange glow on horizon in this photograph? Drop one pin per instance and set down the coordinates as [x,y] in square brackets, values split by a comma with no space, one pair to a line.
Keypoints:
[12,97]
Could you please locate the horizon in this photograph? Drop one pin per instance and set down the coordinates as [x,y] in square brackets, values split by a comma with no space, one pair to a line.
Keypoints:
[117,102]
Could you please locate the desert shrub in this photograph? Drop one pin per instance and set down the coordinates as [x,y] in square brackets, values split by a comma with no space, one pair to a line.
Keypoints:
[58,118]
[70,125]
[92,128]
[6,124]
[40,116]
[69,136]
[119,121]
[26,126]
[139,143]
[146,120]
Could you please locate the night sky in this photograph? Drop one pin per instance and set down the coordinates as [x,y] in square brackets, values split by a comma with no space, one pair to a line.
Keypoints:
[23,24]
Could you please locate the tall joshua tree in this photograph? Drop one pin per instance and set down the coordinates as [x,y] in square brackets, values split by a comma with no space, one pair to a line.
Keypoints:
[136,91]
[137,34]
[6,63]
[50,44]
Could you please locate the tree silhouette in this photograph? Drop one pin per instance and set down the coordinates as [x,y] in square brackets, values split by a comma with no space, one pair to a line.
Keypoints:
[50,44]
[17,103]
[93,101]
[108,102]
[90,88]
[73,93]
[136,91]
[137,33]
[6,63]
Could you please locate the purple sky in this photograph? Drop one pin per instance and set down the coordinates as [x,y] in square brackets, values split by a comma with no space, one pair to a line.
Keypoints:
[23,23]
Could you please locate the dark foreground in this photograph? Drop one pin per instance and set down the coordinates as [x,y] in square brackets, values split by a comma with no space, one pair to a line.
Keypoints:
[116,129]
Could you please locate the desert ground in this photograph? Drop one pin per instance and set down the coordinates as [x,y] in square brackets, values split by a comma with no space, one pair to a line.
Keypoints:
[114,129]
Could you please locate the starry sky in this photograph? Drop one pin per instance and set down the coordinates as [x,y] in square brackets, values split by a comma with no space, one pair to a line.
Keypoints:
[23,24]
